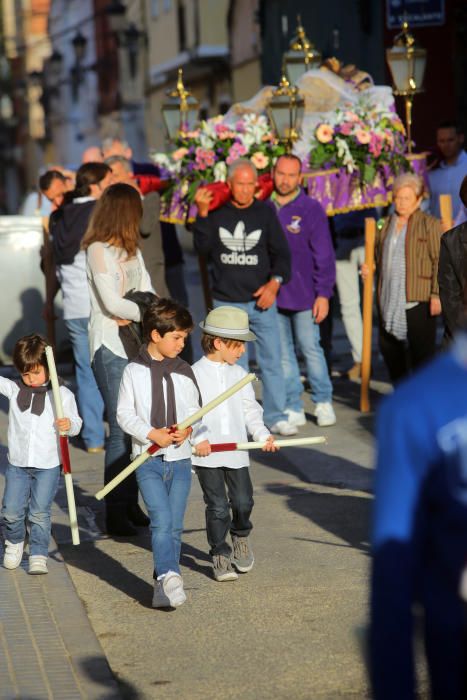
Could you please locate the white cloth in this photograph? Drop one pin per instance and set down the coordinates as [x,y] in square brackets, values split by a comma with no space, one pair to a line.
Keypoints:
[75,289]
[134,410]
[33,440]
[111,275]
[231,420]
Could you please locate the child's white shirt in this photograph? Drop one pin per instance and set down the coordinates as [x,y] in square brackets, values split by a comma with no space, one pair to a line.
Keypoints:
[231,420]
[33,440]
[134,410]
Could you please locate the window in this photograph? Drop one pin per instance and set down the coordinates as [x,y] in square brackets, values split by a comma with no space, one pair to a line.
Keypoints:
[154,9]
[167,5]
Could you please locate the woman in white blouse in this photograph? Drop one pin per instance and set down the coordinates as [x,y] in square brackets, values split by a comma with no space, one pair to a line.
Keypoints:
[115,266]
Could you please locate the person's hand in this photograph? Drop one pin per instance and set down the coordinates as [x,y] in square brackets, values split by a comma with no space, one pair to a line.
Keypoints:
[48,313]
[266,294]
[203,449]
[364,271]
[270,445]
[161,436]
[320,309]
[180,436]
[121,321]
[435,306]
[446,225]
[63,424]
[203,199]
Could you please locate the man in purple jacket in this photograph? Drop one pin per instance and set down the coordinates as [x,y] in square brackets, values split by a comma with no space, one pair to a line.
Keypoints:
[304,301]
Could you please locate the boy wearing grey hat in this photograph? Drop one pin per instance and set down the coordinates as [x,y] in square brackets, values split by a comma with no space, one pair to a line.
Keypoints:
[224,476]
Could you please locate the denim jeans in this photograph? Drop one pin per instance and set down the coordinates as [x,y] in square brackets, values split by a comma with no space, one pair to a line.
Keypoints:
[301,326]
[108,369]
[29,492]
[91,405]
[165,487]
[239,498]
[266,328]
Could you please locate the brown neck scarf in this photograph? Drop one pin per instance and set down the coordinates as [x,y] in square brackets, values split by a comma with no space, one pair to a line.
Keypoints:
[162,415]
[31,396]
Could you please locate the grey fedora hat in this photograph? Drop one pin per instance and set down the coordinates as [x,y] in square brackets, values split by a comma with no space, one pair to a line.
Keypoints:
[228,322]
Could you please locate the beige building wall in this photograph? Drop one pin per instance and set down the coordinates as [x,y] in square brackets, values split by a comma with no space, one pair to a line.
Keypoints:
[204,57]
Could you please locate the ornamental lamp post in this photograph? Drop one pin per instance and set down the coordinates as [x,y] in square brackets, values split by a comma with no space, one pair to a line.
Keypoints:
[116,15]
[285,112]
[180,110]
[301,56]
[407,61]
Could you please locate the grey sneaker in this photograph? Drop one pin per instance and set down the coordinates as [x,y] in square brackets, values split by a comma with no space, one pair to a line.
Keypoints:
[37,564]
[222,568]
[242,557]
[285,428]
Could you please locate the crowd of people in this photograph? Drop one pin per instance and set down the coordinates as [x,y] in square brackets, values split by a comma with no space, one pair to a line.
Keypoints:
[274,266]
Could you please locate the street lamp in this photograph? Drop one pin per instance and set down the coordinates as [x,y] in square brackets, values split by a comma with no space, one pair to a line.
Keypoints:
[133,37]
[79,43]
[180,110]
[285,112]
[407,61]
[301,56]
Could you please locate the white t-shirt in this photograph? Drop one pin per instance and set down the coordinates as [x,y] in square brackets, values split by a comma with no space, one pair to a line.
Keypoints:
[33,440]
[111,275]
[230,421]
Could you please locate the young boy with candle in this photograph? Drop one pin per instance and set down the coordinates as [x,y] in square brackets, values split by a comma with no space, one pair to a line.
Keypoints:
[225,332]
[157,391]
[33,471]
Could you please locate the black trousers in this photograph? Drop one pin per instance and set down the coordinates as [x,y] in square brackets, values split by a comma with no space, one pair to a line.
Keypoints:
[401,356]
[228,495]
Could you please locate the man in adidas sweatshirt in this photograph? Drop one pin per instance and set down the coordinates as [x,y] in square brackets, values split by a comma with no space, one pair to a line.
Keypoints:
[250,259]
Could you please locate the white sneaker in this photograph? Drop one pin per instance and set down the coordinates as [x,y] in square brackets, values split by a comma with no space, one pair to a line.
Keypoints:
[325,415]
[13,554]
[37,564]
[296,418]
[283,427]
[159,599]
[172,585]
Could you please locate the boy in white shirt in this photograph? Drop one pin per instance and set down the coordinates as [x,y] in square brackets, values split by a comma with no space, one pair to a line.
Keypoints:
[225,332]
[33,471]
[157,391]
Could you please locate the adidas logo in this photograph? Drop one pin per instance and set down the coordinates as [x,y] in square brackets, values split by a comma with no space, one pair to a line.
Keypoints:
[239,242]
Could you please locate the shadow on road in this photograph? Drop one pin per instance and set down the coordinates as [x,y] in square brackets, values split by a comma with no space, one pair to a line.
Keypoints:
[352,523]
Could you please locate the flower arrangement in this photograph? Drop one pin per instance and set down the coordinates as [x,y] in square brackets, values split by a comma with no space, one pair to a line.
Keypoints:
[203,156]
[362,139]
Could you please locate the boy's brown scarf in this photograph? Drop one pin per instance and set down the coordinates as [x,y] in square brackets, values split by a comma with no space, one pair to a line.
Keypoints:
[33,396]
[162,415]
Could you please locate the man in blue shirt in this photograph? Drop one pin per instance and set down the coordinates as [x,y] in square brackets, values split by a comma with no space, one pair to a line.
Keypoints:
[447,177]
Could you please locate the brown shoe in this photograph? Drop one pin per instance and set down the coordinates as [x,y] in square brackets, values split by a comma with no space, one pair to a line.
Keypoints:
[355,372]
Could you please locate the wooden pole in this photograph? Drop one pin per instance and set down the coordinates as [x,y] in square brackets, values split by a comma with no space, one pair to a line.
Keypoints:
[445,209]
[370,234]
[63,439]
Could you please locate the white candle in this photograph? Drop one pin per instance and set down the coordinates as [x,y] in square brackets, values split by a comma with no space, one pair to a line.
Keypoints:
[180,426]
[70,494]
[292,442]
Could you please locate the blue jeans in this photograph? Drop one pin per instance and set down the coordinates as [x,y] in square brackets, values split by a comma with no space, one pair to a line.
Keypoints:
[108,369]
[29,492]
[91,405]
[165,487]
[265,326]
[301,326]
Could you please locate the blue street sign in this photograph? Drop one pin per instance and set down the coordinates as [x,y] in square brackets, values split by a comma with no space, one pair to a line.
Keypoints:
[418,13]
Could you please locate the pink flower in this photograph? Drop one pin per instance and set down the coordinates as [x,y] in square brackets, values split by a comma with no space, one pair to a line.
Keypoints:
[179,153]
[351,116]
[324,133]
[224,132]
[259,160]
[237,150]
[362,136]
[346,128]
[376,145]
[204,158]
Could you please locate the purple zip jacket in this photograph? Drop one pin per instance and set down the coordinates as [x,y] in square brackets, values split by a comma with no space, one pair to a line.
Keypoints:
[305,225]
